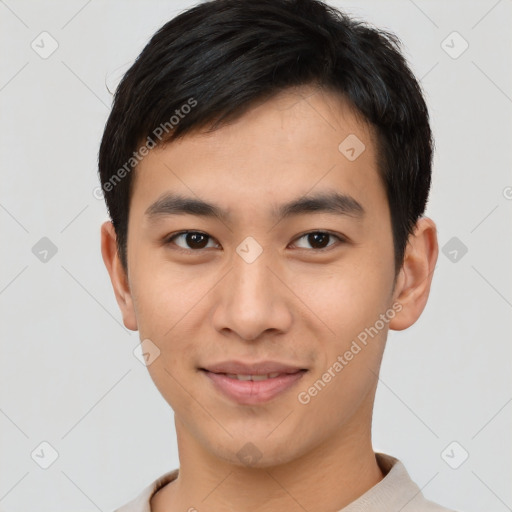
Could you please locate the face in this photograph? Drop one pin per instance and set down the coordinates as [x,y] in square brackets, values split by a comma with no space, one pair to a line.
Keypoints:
[308,288]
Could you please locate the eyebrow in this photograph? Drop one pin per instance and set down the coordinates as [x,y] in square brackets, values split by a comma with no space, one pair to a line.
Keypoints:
[325,202]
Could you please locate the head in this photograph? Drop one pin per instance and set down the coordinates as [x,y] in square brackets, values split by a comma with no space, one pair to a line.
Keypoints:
[294,143]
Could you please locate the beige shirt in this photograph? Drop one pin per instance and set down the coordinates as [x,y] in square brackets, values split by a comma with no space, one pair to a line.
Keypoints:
[395,492]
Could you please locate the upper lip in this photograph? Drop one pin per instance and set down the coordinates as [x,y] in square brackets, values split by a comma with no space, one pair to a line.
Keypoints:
[260,368]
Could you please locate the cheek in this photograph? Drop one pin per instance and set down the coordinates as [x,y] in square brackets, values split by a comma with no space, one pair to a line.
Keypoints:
[347,298]
[163,296]
[167,305]
[162,304]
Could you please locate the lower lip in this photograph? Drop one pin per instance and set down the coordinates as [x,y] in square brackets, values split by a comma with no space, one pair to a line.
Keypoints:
[249,392]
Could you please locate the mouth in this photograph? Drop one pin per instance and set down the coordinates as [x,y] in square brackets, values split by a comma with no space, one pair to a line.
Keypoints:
[254,386]
[263,368]
[264,376]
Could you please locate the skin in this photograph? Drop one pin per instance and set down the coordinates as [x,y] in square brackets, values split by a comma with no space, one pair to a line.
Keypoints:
[293,304]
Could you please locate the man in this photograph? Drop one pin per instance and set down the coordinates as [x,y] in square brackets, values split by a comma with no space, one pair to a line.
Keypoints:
[266,166]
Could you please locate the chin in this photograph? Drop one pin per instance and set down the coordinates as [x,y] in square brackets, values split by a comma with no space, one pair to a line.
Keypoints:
[258,453]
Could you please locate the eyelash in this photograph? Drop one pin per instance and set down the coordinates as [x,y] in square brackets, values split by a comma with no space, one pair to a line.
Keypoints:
[169,240]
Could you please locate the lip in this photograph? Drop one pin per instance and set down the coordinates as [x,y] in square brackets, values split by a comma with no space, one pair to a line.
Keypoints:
[249,392]
[260,368]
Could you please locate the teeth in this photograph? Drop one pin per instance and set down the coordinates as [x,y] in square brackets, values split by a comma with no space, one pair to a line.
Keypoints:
[253,377]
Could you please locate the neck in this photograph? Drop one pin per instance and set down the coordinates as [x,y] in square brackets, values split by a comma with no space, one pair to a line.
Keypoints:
[328,477]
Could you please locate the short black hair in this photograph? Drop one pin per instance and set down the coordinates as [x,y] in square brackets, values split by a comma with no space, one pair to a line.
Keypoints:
[209,64]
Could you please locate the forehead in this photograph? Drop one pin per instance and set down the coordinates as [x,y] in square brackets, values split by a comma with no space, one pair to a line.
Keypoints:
[302,140]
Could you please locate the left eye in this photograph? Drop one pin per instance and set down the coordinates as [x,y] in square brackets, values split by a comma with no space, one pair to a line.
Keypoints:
[319,238]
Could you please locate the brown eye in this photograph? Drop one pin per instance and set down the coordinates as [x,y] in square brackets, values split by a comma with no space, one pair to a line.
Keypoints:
[192,240]
[319,240]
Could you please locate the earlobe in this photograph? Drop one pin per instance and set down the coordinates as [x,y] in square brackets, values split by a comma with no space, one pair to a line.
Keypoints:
[118,276]
[415,278]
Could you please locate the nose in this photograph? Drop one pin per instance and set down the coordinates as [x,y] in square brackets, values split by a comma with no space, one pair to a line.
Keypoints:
[252,300]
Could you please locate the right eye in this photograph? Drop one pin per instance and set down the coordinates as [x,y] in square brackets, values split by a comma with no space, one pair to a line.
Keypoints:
[193,241]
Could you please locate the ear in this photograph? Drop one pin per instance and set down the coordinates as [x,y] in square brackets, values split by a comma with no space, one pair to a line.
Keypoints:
[415,277]
[117,274]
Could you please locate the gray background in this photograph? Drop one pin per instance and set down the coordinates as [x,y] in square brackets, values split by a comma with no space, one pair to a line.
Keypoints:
[68,373]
